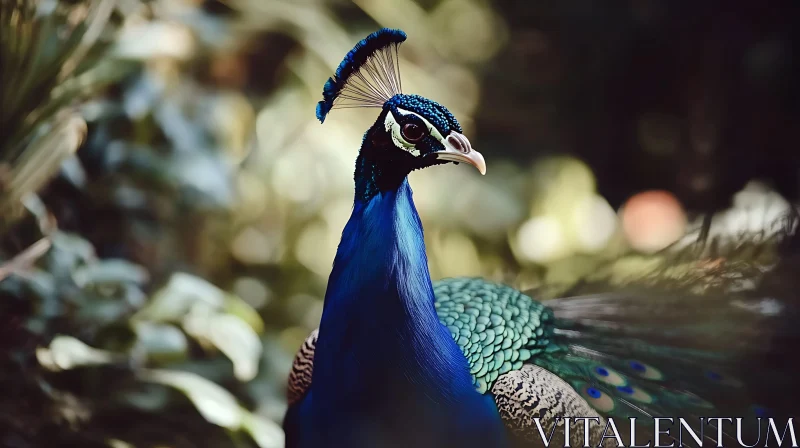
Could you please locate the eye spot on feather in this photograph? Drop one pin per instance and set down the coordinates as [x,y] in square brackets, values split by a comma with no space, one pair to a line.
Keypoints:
[609,376]
[645,371]
[594,393]
[636,394]
[637,366]
[597,398]
[761,411]
[723,379]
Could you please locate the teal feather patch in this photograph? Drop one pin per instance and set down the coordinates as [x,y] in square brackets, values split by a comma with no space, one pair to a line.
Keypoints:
[619,370]
[497,327]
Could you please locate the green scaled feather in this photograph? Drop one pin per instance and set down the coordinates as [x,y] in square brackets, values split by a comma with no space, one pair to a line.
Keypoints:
[497,327]
[635,354]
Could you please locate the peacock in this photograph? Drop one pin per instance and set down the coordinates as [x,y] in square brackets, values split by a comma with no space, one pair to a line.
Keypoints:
[401,361]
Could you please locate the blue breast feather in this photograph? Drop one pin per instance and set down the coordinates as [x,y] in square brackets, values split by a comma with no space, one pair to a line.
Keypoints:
[384,365]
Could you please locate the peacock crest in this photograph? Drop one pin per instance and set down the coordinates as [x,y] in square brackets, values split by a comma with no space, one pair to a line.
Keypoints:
[369,75]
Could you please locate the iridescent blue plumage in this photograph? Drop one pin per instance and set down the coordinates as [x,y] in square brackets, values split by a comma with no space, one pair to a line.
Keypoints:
[386,372]
[437,114]
[400,361]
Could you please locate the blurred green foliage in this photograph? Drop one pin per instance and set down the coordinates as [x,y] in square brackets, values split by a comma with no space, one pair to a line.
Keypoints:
[172,208]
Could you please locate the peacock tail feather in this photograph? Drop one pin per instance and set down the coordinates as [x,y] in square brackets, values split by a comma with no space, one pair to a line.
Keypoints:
[636,354]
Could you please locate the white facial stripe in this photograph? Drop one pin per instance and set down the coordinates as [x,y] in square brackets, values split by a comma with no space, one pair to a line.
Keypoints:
[391,125]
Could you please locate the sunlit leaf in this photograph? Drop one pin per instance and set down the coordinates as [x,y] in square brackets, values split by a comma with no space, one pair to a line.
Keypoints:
[174,300]
[161,341]
[235,306]
[213,402]
[66,352]
[110,271]
[266,433]
[74,244]
[231,335]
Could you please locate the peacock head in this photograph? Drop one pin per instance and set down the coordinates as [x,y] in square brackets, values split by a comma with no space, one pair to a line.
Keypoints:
[412,132]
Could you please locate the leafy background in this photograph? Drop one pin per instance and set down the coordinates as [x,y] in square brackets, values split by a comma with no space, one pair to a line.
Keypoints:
[171,207]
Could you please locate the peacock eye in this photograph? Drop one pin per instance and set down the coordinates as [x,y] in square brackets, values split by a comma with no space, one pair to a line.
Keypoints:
[413,132]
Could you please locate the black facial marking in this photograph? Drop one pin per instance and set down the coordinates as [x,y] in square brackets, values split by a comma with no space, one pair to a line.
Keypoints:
[382,166]
[379,139]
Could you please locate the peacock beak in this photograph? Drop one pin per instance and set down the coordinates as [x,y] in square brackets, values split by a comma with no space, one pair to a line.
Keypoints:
[458,149]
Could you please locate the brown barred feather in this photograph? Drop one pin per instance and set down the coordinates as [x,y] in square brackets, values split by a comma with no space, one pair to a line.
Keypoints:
[302,367]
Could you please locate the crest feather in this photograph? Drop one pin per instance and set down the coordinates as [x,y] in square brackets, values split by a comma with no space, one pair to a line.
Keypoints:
[368,76]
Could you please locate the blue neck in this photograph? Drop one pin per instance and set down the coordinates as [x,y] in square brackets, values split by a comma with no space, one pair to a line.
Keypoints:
[379,317]
[386,371]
